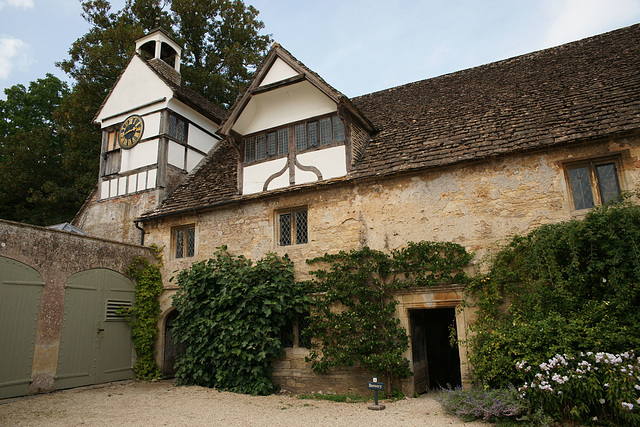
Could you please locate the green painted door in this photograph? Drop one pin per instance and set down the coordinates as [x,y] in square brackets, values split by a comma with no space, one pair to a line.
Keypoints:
[20,289]
[95,345]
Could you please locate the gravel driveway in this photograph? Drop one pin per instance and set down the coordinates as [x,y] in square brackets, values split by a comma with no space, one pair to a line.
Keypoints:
[161,403]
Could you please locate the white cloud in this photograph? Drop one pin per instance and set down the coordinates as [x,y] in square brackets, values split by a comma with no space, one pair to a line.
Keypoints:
[19,4]
[575,19]
[12,54]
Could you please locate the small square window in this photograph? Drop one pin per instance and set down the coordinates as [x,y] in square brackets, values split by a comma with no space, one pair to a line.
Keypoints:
[112,141]
[292,227]
[184,241]
[177,128]
[593,183]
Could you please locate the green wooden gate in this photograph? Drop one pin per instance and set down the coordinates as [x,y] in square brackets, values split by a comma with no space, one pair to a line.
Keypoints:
[20,289]
[95,345]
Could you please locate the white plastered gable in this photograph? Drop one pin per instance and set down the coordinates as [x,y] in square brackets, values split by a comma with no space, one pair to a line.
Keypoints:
[284,94]
[138,86]
[279,71]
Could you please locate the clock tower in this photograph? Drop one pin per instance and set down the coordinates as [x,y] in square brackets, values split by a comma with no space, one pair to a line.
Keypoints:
[154,132]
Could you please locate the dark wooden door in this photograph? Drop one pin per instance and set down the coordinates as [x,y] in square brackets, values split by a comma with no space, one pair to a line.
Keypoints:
[419,351]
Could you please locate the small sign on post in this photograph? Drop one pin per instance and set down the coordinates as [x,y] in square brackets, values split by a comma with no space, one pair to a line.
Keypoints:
[375,386]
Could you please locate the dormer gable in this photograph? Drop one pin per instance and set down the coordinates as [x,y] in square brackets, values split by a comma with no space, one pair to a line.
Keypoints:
[290,127]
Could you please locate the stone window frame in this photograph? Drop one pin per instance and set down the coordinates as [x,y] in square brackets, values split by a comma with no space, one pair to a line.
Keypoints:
[257,147]
[591,165]
[179,237]
[296,236]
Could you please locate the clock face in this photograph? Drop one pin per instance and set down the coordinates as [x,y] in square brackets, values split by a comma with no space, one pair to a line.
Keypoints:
[130,132]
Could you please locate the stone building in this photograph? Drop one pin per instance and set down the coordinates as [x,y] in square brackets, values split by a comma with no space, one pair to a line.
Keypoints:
[471,157]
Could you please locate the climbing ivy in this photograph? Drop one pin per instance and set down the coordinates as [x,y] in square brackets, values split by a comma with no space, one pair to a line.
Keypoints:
[564,288]
[144,315]
[352,318]
[230,314]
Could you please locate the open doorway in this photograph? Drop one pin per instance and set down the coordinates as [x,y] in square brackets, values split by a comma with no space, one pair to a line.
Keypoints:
[436,363]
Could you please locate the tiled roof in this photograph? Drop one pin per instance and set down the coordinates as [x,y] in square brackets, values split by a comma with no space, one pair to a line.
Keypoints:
[571,92]
[215,181]
[193,99]
[578,91]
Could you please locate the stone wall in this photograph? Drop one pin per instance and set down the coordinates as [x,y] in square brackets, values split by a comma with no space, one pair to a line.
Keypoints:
[476,205]
[56,256]
[114,218]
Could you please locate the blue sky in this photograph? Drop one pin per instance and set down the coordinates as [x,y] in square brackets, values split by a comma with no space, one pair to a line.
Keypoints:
[357,46]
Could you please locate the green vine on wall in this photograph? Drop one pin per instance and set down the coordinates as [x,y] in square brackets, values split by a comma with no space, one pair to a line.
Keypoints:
[352,319]
[144,315]
[230,315]
[562,288]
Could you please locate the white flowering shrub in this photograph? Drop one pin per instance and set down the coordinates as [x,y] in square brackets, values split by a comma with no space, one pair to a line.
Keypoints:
[593,388]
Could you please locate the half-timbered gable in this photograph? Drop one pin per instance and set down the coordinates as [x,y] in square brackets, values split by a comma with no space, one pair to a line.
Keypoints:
[290,127]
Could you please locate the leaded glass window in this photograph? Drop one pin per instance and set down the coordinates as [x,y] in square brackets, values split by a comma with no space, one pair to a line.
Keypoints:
[312,134]
[250,149]
[283,141]
[301,137]
[184,242]
[285,229]
[304,135]
[581,188]
[292,227]
[593,183]
[261,147]
[301,227]
[177,128]
[608,185]
[325,131]
[338,129]
[271,144]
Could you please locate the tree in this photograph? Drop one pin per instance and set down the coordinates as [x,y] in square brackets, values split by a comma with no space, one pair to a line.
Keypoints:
[36,187]
[222,46]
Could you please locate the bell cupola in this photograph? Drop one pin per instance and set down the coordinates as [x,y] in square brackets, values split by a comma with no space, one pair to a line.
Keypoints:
[159,46]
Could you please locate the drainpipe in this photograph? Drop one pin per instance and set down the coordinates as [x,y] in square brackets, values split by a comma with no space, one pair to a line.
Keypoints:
[136,222]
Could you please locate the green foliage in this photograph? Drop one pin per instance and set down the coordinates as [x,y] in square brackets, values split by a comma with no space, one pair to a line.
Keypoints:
[144,316]
[222,46]
[352,319]
[230,313]
[600,388]
[32,155]
[563,289]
